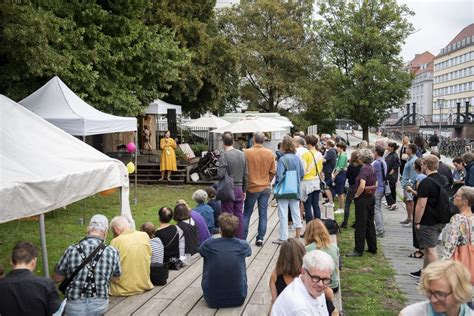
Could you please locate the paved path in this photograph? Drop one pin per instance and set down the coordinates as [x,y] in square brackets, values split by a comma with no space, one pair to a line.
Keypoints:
[397,245]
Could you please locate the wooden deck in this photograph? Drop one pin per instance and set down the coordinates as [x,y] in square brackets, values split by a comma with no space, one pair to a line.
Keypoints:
[182,295]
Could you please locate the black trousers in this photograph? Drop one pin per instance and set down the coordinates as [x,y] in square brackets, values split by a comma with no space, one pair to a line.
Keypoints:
[364,224]
[392,198]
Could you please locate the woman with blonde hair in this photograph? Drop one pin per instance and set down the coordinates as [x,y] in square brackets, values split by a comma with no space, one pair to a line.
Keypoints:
[447,285]
[317,236]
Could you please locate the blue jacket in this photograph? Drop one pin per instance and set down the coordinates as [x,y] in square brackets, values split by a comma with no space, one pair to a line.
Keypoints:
[409,173]
[469,179]
[293,163]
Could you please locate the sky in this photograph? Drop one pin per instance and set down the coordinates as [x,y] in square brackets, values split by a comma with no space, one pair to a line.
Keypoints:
[436,23]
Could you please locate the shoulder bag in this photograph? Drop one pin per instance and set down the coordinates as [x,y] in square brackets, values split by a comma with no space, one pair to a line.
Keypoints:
[386,184]
[287,188]
[465,253]
[65,283]
[225,187]
[322,185]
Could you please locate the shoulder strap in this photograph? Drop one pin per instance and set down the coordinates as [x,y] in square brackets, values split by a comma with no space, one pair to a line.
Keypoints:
[169,243]
[63,286]
[383,170]
[316,167]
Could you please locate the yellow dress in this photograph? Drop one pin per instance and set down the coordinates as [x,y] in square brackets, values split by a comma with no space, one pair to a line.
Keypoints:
[168,157]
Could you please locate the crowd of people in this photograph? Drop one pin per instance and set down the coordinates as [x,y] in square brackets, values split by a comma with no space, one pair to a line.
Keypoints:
[306,275]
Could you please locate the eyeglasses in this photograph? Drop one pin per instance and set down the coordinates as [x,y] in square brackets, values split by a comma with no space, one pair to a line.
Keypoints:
[440,296]
[316,279]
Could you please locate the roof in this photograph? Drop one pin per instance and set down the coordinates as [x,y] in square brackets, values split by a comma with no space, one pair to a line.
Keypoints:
[467,31]
[416,64]
[60,106]
[457,42]
[44,168]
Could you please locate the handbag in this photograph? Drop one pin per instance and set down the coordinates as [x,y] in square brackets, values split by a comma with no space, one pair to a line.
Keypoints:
[159,273]
[65,283]
[225,188]
[175,263]
[386,184]
[322,185]
[287,188]
[332,226]
[465,253]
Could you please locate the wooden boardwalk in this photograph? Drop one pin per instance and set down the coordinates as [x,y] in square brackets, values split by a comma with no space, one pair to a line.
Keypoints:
[182,295]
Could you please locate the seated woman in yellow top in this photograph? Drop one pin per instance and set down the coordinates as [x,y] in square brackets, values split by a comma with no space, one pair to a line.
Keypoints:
[168,157]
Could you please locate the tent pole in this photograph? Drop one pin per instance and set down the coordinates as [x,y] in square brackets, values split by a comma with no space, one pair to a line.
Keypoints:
[83,200]
[136,166]
[44,251]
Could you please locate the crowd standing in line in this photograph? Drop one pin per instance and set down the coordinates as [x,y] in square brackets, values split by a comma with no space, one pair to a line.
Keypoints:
[306,276]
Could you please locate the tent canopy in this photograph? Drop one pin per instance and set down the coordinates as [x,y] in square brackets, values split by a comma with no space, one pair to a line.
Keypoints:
[59,105]
[208,121]
[161,108]
[43,168]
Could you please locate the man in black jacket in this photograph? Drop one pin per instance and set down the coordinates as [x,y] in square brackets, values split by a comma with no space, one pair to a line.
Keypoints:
[22,292]
[445,171]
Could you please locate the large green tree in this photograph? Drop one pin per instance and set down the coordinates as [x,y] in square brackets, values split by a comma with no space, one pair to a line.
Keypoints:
[362,42]
[275,45]
[104,50]
[208,82]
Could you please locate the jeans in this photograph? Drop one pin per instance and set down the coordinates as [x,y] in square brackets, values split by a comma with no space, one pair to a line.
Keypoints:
[236,208]
[378,212]
[347,207]
[262,199]
[312,205]
[364,224]
[87,306]
[283,215]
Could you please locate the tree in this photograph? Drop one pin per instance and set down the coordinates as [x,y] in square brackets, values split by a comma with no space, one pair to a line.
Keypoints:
[275,44]
[103,50]
[362,42]
[208,82]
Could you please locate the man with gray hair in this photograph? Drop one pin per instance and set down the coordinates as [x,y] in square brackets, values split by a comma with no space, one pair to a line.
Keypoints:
[261,169]
[135,258]
[88,292]
[305,295]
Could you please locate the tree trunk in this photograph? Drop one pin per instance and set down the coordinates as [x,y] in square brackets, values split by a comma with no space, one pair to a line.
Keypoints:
[365,133]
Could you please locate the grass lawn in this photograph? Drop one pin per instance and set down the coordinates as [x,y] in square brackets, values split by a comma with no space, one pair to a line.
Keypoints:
[63,227]
[368,283]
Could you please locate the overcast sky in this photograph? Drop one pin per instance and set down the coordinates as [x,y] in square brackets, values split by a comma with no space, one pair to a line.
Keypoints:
[437,22]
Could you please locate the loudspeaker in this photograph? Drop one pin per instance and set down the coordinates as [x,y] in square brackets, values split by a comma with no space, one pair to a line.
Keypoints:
[171,117]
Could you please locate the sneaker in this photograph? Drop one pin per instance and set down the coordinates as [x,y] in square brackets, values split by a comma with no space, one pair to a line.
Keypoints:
[328,204]
[277,242]
[339,211]
[407,224]
[416,274]
[380,233]
[259,243]
[405,221]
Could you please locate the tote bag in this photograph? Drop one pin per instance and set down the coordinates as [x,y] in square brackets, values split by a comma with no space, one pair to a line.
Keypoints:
[465,253]
[287,188]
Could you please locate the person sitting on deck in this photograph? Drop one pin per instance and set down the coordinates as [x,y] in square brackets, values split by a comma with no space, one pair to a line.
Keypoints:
[198,221]
[200,197]
[224,277]
[135,258]
[184,221]
[216,205]
[158,271]
[170,235]
[305,295]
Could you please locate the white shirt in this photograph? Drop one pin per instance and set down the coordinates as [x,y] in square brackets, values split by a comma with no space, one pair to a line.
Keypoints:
[295,300]
[300,151]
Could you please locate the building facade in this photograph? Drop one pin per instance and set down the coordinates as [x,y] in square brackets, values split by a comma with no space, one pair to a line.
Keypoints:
[454,77]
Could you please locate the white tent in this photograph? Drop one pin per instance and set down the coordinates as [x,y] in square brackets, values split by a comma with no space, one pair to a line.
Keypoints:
[43,168]
[161,108]
[59,105]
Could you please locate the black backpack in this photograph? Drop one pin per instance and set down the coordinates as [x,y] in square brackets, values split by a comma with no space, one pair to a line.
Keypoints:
[444,207]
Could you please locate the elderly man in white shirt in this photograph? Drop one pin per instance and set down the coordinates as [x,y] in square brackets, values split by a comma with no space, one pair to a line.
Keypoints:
[305,295]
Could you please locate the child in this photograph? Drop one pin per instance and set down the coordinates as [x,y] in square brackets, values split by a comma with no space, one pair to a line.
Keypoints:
[215,205]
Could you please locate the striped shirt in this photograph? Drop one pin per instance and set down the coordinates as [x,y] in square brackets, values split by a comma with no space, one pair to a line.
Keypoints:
[157,250]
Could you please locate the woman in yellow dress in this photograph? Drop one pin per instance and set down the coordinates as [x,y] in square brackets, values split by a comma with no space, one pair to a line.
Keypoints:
[168,157]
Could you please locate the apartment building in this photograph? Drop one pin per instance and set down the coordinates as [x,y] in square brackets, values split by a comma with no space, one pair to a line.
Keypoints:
[454,76]
[421,90]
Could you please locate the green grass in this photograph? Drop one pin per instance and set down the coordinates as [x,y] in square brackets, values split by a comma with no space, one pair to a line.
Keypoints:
[367,282]
[63,227]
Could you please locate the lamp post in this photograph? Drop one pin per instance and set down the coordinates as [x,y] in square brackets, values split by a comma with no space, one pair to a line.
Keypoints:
[440,105]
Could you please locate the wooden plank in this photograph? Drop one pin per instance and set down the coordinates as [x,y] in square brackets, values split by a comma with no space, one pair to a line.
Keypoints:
[192,296]
[154,306]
